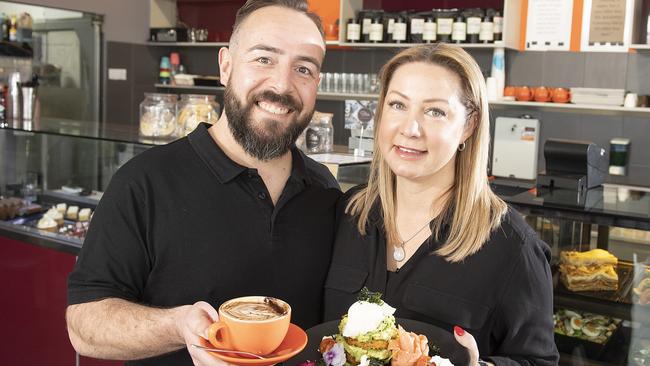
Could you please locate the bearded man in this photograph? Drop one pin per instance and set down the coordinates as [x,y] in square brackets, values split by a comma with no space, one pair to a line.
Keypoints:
[234,209]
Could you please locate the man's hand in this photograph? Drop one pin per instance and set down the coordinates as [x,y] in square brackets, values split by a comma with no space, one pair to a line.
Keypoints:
[192,324]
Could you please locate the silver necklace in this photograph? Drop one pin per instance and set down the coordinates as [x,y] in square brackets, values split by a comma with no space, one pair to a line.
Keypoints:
[398,251]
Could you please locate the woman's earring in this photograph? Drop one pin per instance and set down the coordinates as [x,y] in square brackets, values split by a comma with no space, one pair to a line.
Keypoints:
[461,147]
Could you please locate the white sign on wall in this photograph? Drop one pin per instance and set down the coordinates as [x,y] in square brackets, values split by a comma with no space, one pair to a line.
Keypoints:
[548,25]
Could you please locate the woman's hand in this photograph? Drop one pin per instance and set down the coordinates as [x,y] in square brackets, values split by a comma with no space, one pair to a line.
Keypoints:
[467,340]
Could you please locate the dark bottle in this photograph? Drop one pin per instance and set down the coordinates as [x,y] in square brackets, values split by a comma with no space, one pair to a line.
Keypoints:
[473,18]
[416,28]
[498,26]
[459,30]
[399,30]
[353,31]
[365,20]
[429,31]
[487,30]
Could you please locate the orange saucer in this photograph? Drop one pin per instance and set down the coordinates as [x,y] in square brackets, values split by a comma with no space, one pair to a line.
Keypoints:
[294,342]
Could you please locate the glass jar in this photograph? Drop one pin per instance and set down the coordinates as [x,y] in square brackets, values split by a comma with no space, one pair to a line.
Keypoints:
[158,115]
[319,135]
[194,109]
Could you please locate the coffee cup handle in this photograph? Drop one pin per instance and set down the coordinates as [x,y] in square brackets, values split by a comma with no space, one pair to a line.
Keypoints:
[219,338]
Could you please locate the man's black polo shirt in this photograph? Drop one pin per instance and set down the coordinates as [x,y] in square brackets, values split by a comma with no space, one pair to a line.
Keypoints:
[183,222]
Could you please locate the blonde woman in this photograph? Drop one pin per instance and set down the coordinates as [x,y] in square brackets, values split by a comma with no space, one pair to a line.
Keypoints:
[428,232]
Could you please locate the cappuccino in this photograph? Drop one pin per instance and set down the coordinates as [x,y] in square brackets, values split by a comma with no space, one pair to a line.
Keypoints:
[251,310]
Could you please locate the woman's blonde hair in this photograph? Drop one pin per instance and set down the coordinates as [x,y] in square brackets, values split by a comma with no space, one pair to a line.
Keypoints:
[472,210]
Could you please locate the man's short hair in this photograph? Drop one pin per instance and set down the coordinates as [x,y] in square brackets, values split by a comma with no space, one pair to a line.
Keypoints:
[300,6]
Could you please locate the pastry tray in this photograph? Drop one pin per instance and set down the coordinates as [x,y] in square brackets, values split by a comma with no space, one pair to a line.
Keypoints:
[623,295]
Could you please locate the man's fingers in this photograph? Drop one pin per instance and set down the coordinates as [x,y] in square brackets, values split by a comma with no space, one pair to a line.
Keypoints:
[214,315]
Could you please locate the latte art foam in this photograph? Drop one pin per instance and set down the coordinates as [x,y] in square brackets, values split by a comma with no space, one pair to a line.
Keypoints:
[250,310]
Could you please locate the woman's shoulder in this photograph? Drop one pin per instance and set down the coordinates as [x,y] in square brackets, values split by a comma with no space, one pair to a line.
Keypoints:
[514,234]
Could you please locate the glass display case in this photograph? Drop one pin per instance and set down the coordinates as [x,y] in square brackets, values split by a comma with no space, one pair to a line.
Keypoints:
[68,162]
[604,319]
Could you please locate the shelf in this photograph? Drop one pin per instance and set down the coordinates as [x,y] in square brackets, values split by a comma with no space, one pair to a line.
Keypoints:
[640,47]
[577,108]
[328,43]
[345,96]
[562,107]
[191,87]
[405,45]
[188,44]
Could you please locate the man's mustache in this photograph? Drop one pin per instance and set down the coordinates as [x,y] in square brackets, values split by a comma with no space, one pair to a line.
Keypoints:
[285,100]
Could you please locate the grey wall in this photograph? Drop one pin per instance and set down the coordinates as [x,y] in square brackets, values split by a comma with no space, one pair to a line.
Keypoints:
[124,21]
[629,71]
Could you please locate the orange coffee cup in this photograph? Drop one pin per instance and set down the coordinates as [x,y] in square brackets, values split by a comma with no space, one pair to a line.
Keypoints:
[542,94]
[560,95]
[250,324]
[523,93]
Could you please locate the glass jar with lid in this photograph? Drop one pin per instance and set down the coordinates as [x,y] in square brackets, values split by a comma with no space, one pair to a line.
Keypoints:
[194,109]
[158,115]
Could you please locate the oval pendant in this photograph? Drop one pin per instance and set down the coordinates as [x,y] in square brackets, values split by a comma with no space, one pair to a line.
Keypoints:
[399,254]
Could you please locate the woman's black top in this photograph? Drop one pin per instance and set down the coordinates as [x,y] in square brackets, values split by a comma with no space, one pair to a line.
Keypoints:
[502,295]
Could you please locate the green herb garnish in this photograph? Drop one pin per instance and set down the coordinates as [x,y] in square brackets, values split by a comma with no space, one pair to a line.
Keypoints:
[375,361]
[434,349]
[369,296]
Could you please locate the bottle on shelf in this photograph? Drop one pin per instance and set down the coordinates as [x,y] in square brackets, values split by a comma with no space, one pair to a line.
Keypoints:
[365,20]
[416,22]
[399,30]
[459,29]
[13,30]
[497,19]
[473,18]
[498,70]
[429,31]
[353,31]
[487,30]
[175,62]
[4,28]
[445,22]
[376,30]
[389,22]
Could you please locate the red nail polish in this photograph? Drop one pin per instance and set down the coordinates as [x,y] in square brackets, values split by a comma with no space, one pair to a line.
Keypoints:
[459,331]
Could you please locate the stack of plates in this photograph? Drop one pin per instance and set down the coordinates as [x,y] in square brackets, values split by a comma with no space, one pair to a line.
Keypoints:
[597,96]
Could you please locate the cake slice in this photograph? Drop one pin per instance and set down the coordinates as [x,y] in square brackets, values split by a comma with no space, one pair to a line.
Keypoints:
[73,213]
[594,270]
[84,214]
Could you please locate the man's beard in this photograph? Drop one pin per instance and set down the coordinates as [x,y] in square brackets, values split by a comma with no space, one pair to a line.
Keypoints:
[269,140]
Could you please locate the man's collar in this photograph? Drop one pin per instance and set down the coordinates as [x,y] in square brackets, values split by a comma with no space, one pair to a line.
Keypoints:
[224,168]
